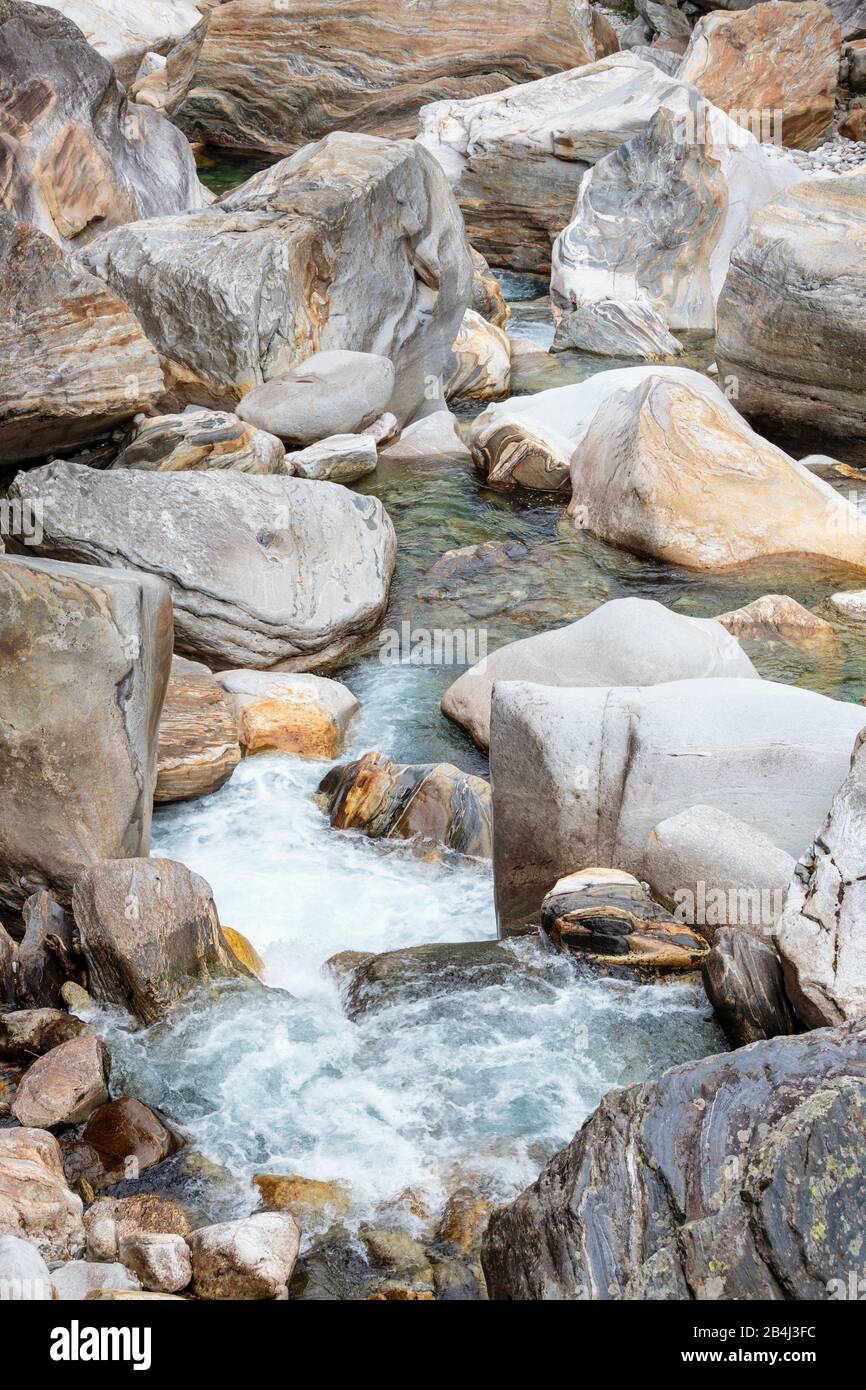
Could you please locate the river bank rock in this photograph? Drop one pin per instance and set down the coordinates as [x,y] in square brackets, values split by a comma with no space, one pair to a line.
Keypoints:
[35,1202]
[341,458]
[120,1141]
[354,243]
[24,1274]
[528,441]
[200,439]
[126,32]
[150,932]
[605,919]
[246,1259]
[198,747]
[729,1178]
[160,1262]
[821,935]
[433,804]
[364,66]
[330,393]
[675,472]
[778,57]
[75,360]
[778,618]
[8,958]
[616,328]
[77,159]
[45,960]
[65,1085]
[307,1199]
[88,660]
[370,983]
[242,555]
[849,607]
[712,871]
[515,157]
[482,369]
[305,715]
[849,14]
[434,437]
[792,313]
[76,1280]
[746,987]
[111,1220]
[655,222]
[27,1033]
[582,776]
[629,641]
[487,297]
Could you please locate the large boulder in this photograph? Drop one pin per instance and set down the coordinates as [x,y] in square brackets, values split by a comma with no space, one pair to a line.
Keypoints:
[200,439]
[354,243]
[75,157]
[123,31]
[779,57]
[713,871]
[64,1086]
[629,641]
[150,933]
[198,747]
[654,223]
[246,1259]
[87,661]
[675,472]
[736,1177]
[482,367]
[365,65]
[821,935]
[515,157]
[849,14]
[121,1140]
[581,776]
[528,441]
[75,360]
[35,1201]
[435,805]
[792,314]
[262,570]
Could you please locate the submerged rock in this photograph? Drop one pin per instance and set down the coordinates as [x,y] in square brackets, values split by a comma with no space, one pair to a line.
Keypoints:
[75,360]
[736,1177]
[792,314]
[263,571]
[305,715]
[746,987]
[201,439]
[76,158]
[604,918]
[150,933]
[365,64]
[629,641]
[581,776]
[198,736]
[433,804]
[355,243]
[35,1202]
[515,157]
[821,935]
[87,660]
[777,618]
[779,61]
[672,471]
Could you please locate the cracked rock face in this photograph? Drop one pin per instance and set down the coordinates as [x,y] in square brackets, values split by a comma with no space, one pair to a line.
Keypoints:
[353,244]
[87,655]
[792,313]
[263,571]
[364,65]
[736,1177]
[821,935]
[74,361]
[75,157]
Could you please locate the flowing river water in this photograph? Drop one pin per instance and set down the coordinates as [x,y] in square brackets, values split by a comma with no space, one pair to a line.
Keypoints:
[482,1084]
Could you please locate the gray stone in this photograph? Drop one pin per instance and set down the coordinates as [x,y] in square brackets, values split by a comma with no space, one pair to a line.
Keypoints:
[336,392]
[161,1262]
[246,1259]
[75,1280]
[24,1275]
[341,458]
[201,439]
[616,328]
[35,1201]
[44,960]
[744,983]
[65,1085]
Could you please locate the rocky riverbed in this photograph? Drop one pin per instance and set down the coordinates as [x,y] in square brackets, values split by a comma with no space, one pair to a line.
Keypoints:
[433,606]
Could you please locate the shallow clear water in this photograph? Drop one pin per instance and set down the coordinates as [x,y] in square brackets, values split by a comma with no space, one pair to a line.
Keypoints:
[485,1082]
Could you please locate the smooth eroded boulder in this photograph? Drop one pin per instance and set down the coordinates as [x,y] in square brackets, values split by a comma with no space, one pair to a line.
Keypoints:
[35,1202]
[126,32]
[88,653]
[301,714]
[64,1086]
[629,641]
[75,157]
[736,1177]
[366,65]
[792,313]
[200,439]
[581,776]
[341,458]
[746,987]
[74,361]
[482,367]
[24,1274]
[355,243]
[338,392]
[777,618]
[670,469]
[198,736]
[150,932]
[120,1141]
[263,571]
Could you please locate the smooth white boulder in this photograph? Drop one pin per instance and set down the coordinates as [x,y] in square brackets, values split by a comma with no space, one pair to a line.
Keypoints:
[581,776]
[337,392]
